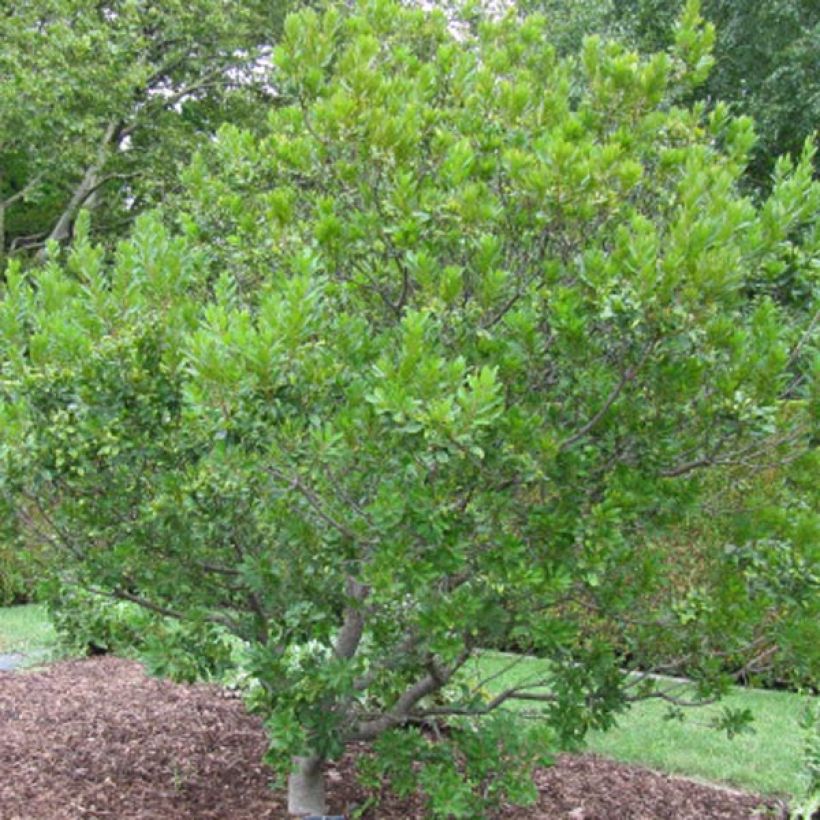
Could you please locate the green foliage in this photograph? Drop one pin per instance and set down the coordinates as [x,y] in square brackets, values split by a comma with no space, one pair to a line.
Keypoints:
[17,576]
[454,770]
[87,623]
[430,363]
[765,58]
[94,623]
[23,561]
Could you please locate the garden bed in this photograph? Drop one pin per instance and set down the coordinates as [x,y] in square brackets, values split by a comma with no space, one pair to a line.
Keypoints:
[98,738]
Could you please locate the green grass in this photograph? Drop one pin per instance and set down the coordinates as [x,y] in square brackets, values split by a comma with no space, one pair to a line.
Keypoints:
[26,629]
[769,761]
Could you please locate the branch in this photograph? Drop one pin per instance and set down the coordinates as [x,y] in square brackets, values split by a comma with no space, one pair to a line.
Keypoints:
[531,258]
[58,536]
[740,457]
[314,501]
[123,595]
[676,701]
[88,184]
[399,654]
[21,193]
[350,635]
[807,335]
[514,693]
[627,376]
[402,709]
[171,100]
[108,178]
[32,240]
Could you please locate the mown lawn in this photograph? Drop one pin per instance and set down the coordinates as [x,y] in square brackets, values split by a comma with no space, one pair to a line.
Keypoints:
[25,629]
[769,761]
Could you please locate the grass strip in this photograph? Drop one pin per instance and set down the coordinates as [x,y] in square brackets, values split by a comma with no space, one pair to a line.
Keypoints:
[769,760]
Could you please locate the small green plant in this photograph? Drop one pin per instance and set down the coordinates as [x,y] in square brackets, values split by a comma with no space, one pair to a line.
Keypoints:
[91,623]
[808,806]
[464,770]
[13,586]
[20,571]
[188,652]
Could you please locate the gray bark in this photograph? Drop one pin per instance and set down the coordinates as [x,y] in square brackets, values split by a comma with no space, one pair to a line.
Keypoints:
[86,189]
[350,635]
[306,787]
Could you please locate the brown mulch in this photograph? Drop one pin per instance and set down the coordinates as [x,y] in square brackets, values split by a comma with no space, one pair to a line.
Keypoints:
[98,738]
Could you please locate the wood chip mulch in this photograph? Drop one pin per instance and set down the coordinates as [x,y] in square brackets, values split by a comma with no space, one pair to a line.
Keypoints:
[98,738]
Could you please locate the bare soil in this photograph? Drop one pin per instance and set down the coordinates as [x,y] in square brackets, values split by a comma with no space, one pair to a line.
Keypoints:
[98,738]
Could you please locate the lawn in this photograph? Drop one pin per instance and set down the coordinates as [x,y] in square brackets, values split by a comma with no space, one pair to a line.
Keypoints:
[25,629]
[768,761]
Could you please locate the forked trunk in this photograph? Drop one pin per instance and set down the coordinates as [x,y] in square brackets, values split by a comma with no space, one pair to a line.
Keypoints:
[306,787]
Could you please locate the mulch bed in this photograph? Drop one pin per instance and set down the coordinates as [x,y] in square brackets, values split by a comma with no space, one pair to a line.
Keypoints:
[98,738]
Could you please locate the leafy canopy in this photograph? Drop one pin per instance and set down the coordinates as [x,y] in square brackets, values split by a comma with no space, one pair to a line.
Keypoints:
[428,367]
[766,60]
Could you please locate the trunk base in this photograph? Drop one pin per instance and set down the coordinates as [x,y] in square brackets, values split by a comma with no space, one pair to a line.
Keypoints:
[306,787]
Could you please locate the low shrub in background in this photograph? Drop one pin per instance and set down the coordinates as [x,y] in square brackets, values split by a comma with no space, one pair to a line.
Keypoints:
[92,623]
[19,574]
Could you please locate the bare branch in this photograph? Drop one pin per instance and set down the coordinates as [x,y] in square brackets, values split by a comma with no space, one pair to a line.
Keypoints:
[315,503]
[88,185]
[18,195]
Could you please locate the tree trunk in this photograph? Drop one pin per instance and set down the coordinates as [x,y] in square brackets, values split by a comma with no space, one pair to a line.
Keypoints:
[87,188]
[306,787]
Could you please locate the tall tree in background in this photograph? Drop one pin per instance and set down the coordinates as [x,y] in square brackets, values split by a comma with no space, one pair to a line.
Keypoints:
[102,103]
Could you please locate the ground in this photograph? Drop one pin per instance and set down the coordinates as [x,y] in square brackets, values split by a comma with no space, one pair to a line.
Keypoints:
[98,738]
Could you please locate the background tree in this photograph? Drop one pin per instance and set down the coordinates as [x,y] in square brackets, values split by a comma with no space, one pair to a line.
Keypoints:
[101,103]
[429,366]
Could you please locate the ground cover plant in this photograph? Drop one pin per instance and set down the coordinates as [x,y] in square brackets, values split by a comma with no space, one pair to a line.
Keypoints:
[427,367]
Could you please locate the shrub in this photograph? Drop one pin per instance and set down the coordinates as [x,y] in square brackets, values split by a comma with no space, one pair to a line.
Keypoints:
[430,365]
